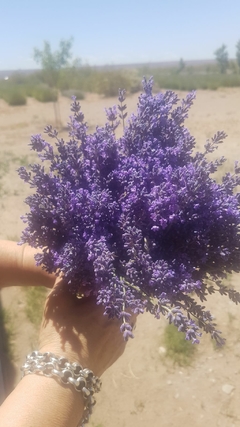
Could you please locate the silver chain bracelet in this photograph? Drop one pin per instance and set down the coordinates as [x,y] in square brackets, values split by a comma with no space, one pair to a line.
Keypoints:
[74,374]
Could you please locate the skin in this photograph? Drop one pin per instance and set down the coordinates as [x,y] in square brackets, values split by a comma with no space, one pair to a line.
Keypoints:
[18,266]
[71,327]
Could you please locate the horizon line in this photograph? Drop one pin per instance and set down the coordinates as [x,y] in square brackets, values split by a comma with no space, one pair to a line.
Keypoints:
[123,65]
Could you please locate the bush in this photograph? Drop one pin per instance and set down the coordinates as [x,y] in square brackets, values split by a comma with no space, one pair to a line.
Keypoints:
[178,348]
[16,97]
[45,94]
[108,83]
[192,81]
[73,92]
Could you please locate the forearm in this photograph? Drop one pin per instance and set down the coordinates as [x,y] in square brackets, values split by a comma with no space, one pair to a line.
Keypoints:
[39,401]
[18,266]
[77,330]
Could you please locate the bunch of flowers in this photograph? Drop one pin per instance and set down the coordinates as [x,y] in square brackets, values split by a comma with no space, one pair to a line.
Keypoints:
[139,221]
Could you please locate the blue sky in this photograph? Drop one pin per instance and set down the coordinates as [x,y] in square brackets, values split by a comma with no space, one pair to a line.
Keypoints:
[124,31]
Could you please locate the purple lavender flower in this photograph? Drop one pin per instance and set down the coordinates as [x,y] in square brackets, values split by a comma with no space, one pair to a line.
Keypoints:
[139,221]
[112,114]
[122,107]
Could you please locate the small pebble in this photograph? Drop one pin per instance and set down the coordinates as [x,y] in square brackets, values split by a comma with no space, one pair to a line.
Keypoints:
[228,388]
[162,350]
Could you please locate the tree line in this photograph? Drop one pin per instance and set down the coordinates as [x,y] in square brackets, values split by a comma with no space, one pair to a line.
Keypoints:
[222,57]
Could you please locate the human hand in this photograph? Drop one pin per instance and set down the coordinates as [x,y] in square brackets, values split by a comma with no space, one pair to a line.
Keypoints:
[78,330]
[72,327]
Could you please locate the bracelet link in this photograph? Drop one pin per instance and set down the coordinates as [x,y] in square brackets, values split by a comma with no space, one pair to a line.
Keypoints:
[82,379]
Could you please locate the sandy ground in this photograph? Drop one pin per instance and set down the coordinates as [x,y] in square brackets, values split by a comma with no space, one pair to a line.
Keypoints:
[143,387]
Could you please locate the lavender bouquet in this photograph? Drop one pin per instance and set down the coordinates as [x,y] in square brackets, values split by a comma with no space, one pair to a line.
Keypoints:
[138,221]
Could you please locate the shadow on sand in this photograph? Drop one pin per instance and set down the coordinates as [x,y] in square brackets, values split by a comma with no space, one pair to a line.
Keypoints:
[7,368]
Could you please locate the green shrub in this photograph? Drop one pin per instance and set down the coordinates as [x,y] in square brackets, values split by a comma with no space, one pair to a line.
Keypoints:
[177,347]
[135,87]
[108,83]
[16,97]
[196,79]
[45,94]
[73,92]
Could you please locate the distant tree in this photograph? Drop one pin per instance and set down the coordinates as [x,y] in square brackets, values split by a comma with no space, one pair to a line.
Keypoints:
[181,65]
[233,66]
[238,53]
[222,58]
[51,64]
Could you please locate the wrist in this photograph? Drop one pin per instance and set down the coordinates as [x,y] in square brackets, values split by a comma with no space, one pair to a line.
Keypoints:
[82,356]
[74,347]
[80,380]
[78,329]
[42,401]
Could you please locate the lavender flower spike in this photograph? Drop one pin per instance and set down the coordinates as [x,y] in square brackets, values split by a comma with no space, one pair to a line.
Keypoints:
[139,222]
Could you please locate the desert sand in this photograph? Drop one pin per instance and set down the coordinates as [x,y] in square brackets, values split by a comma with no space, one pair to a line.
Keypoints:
[143,387]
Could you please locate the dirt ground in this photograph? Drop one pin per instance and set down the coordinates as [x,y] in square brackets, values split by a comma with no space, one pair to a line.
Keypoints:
[143,387]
